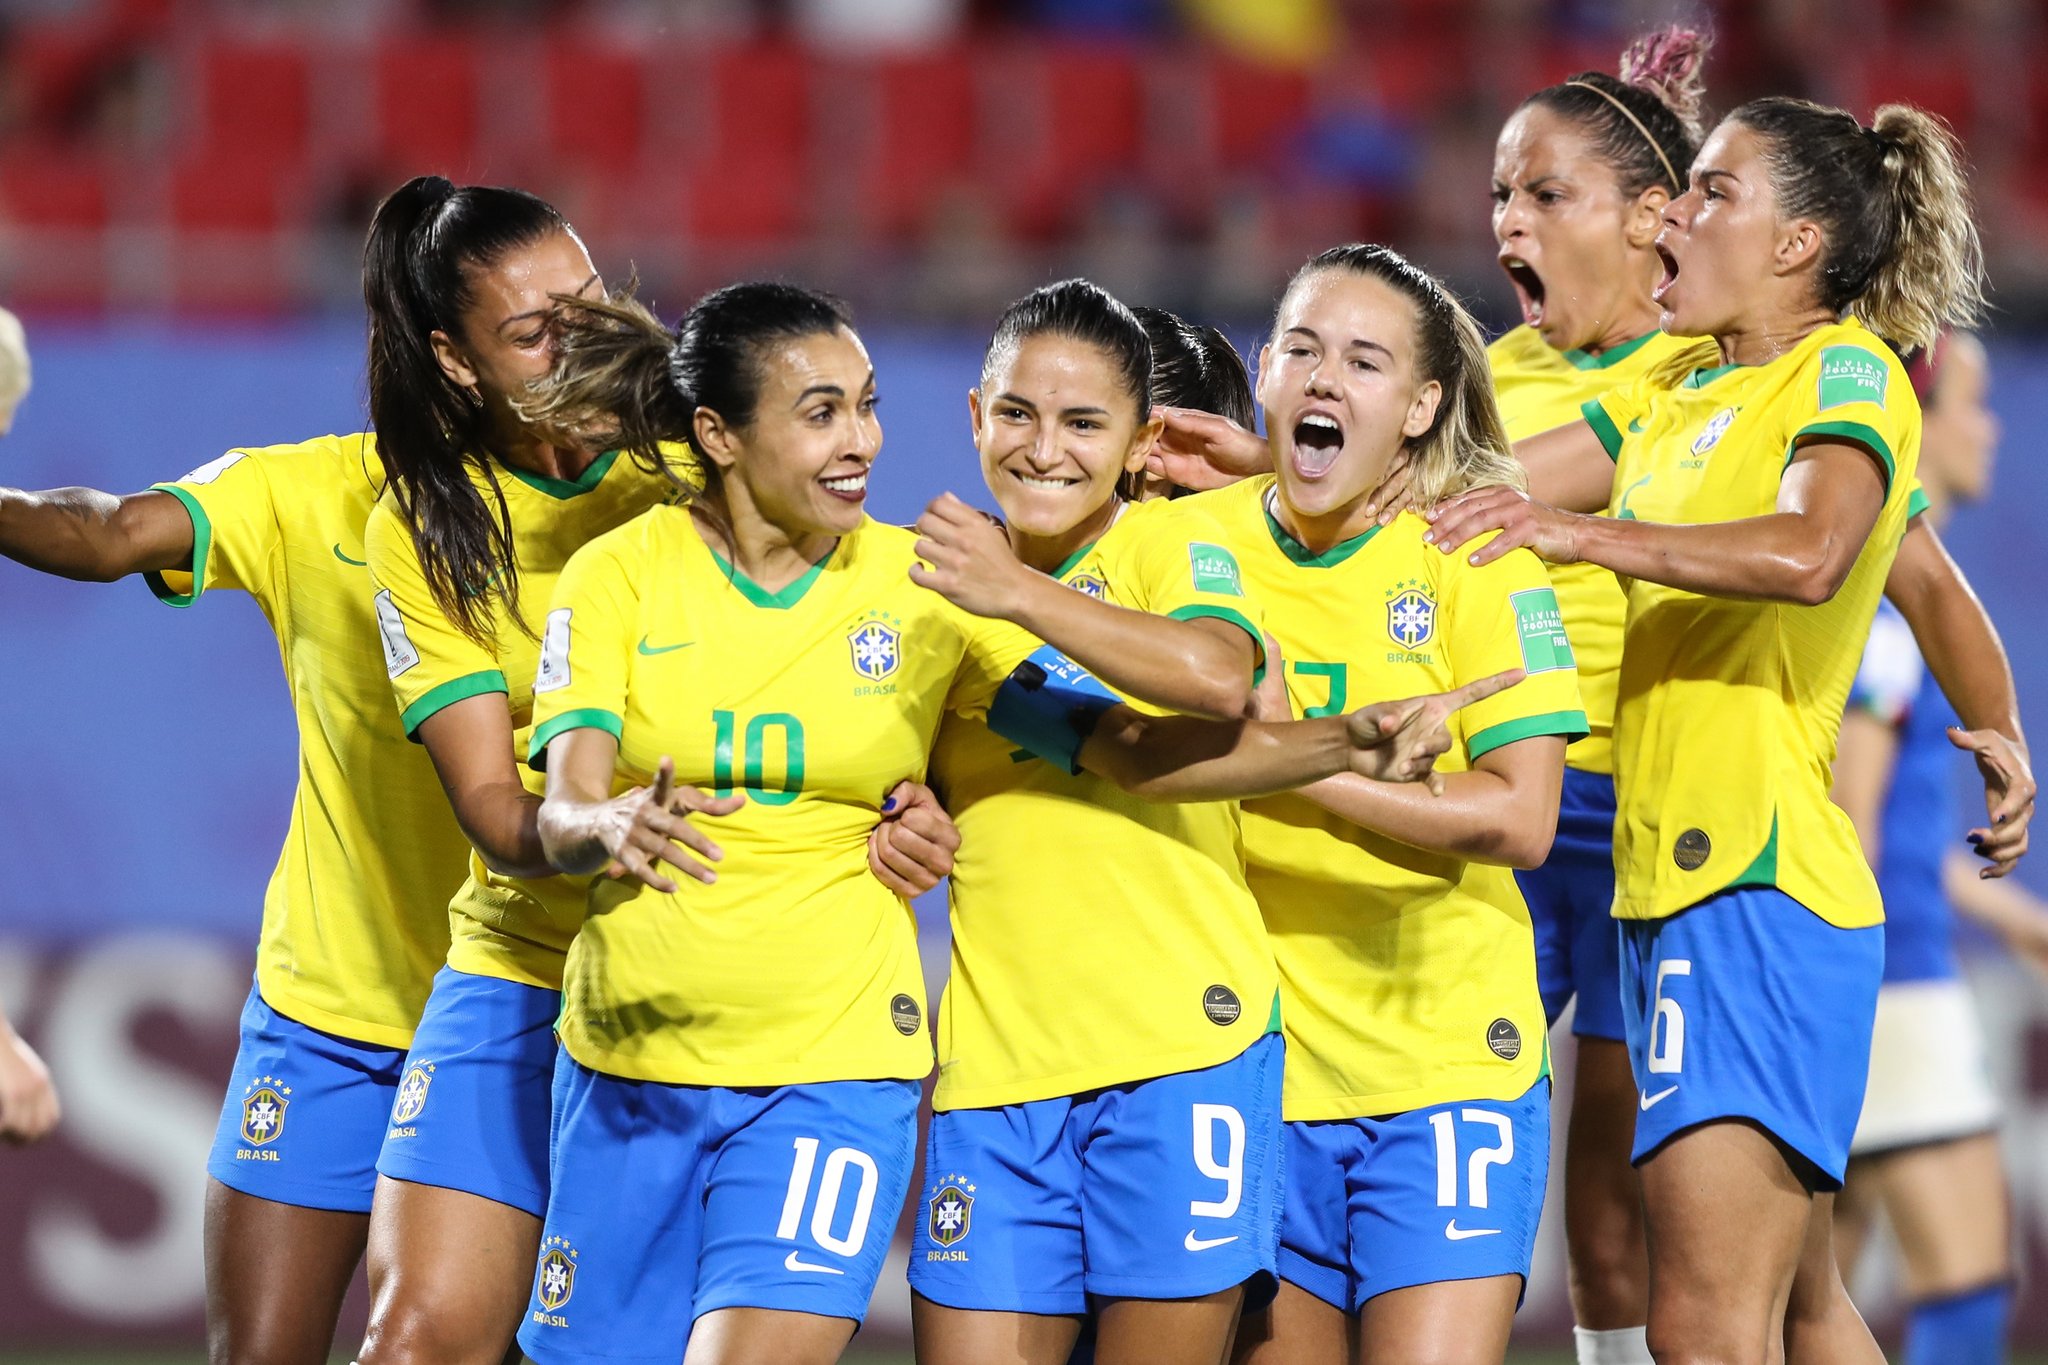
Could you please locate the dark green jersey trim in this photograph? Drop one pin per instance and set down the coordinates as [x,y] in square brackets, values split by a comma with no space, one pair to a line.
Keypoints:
[1855,433]
[202,545]
[1764,871]
[589,718]
[1917,502]
[447,694]
[592,475]
[1699,379]
[1307,558]
[1273,1018]
[1213,612]
[788,597]
[1570,724]
[1603,427]
[1073,561]
[1614,355]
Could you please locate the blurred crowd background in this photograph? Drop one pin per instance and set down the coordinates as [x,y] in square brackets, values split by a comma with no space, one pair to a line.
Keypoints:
[928,158]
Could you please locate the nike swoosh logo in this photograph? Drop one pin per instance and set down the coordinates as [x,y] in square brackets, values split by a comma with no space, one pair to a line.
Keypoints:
[1458,1234]
[359,563]
[1194,1243]
[646,648]
[793,1262]
[1666,1093]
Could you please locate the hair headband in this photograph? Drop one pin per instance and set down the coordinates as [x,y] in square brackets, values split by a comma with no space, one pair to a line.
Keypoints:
[1677,185]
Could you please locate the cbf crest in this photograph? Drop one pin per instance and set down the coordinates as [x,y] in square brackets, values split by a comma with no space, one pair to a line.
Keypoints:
[263,1106]
[1411,614]
[412,1092]
[877,646]
[557,1279]
[1716,427]
[950,1211]
[1090,584]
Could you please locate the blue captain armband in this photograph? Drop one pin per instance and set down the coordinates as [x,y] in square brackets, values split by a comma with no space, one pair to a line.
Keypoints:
[1049,706]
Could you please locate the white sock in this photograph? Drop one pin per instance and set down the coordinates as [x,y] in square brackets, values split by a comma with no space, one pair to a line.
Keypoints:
[1622,1346]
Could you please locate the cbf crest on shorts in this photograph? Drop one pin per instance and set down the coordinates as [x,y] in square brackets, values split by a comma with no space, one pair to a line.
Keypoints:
[263,1106]
[950,1212]
[877,646]
[1411,614]
[412,1092]
[557,1280]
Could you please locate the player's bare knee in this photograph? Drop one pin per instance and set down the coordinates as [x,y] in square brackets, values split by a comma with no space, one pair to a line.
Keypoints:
[419,1336]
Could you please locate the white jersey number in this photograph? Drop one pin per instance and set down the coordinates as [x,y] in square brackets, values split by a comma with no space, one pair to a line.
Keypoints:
[1500,1154]
[1230,1170]
[830,1186]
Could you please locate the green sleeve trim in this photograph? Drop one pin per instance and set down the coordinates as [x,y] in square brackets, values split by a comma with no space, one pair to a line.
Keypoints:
[1603,427]
[1570,724]
[1236,618]
[588,718]
[202,545]
[447,694]
[1917,501]
[1856,433]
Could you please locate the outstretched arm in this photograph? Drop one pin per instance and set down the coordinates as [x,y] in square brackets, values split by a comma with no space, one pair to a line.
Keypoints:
[584,828]
[1968,659]
[1504,810]
[95,537]
[470,742]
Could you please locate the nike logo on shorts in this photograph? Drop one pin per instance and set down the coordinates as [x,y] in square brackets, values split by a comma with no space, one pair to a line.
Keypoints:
[1194,1243]
[1666,1093]
[1458,1234]
[795,1262]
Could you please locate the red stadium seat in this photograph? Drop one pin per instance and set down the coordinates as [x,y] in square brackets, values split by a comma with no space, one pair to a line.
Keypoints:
[747,180]
[225,191]
[596,103]
[1254,109]
[922,135]
[254,101]
[49,185]
[1938,79]
[427,91]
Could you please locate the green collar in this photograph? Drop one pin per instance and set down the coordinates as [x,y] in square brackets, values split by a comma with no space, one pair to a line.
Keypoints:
[1073,561]
[1304,556]
[788,597]
[592,475]
[1613,355]
[1699,379]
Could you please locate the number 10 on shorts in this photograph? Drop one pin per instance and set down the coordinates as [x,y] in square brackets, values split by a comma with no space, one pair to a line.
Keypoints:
[825,1211]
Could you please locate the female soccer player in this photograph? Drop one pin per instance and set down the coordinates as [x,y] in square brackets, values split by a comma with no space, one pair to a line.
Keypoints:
[1757,506]
[1197,370]
[1925,1152]
[749,1048]
[483,511]
[1121,1149]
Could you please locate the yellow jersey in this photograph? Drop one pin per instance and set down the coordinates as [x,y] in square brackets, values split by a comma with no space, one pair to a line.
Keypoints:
[1541,387]
[1729,710]
[796,965]
[1407,978]
[516,928]
[1138,951]
[355,920]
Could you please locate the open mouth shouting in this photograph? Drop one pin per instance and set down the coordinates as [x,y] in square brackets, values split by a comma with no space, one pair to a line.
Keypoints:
[1670,263]
[1528,288]
[1318,440]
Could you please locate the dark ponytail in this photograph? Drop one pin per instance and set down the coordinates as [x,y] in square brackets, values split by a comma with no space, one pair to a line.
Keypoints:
[1192,367]
[621,377]
[424,243]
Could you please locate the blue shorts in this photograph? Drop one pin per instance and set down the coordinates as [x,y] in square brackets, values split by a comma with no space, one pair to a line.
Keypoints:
[672,1201]
[1166,1188]
[1750,1006]
[1451,1192]
[1571,904]
[304,1115]
[473,1111]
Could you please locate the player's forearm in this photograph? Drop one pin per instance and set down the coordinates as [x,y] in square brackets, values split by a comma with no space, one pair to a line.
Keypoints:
[1156,659]
[1479,816]
[1567,468]
[1183,758]
[503,825]
[570,829]
[1955,634]
[84,534]
[2000,906]
[1780,557]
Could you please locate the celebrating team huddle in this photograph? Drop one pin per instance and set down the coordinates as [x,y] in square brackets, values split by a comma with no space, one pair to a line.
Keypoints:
[1290,787]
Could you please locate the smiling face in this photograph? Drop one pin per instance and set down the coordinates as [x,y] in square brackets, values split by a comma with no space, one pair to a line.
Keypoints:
[1057,428]
[1576,249]
[506,335]
[1341,393]
[1727,254]
[801,462]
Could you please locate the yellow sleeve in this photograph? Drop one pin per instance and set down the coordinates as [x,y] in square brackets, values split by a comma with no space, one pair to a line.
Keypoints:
[1183,570]
[431,662]
[1504,615]
[585,649]
[1611,414]
[991,651]
[236,539]
[1856,401]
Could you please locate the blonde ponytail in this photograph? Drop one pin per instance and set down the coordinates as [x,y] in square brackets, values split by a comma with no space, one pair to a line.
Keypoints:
[1933,278]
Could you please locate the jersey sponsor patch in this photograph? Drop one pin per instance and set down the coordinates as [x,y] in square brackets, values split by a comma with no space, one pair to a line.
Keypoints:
[1411,615]
[215,467]
[1691,850]
[905,1015]
[1539,623]
[400,653]
[552,673]
[1221,1004]
[1850,374]
[1215,570]
[1504,1039]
